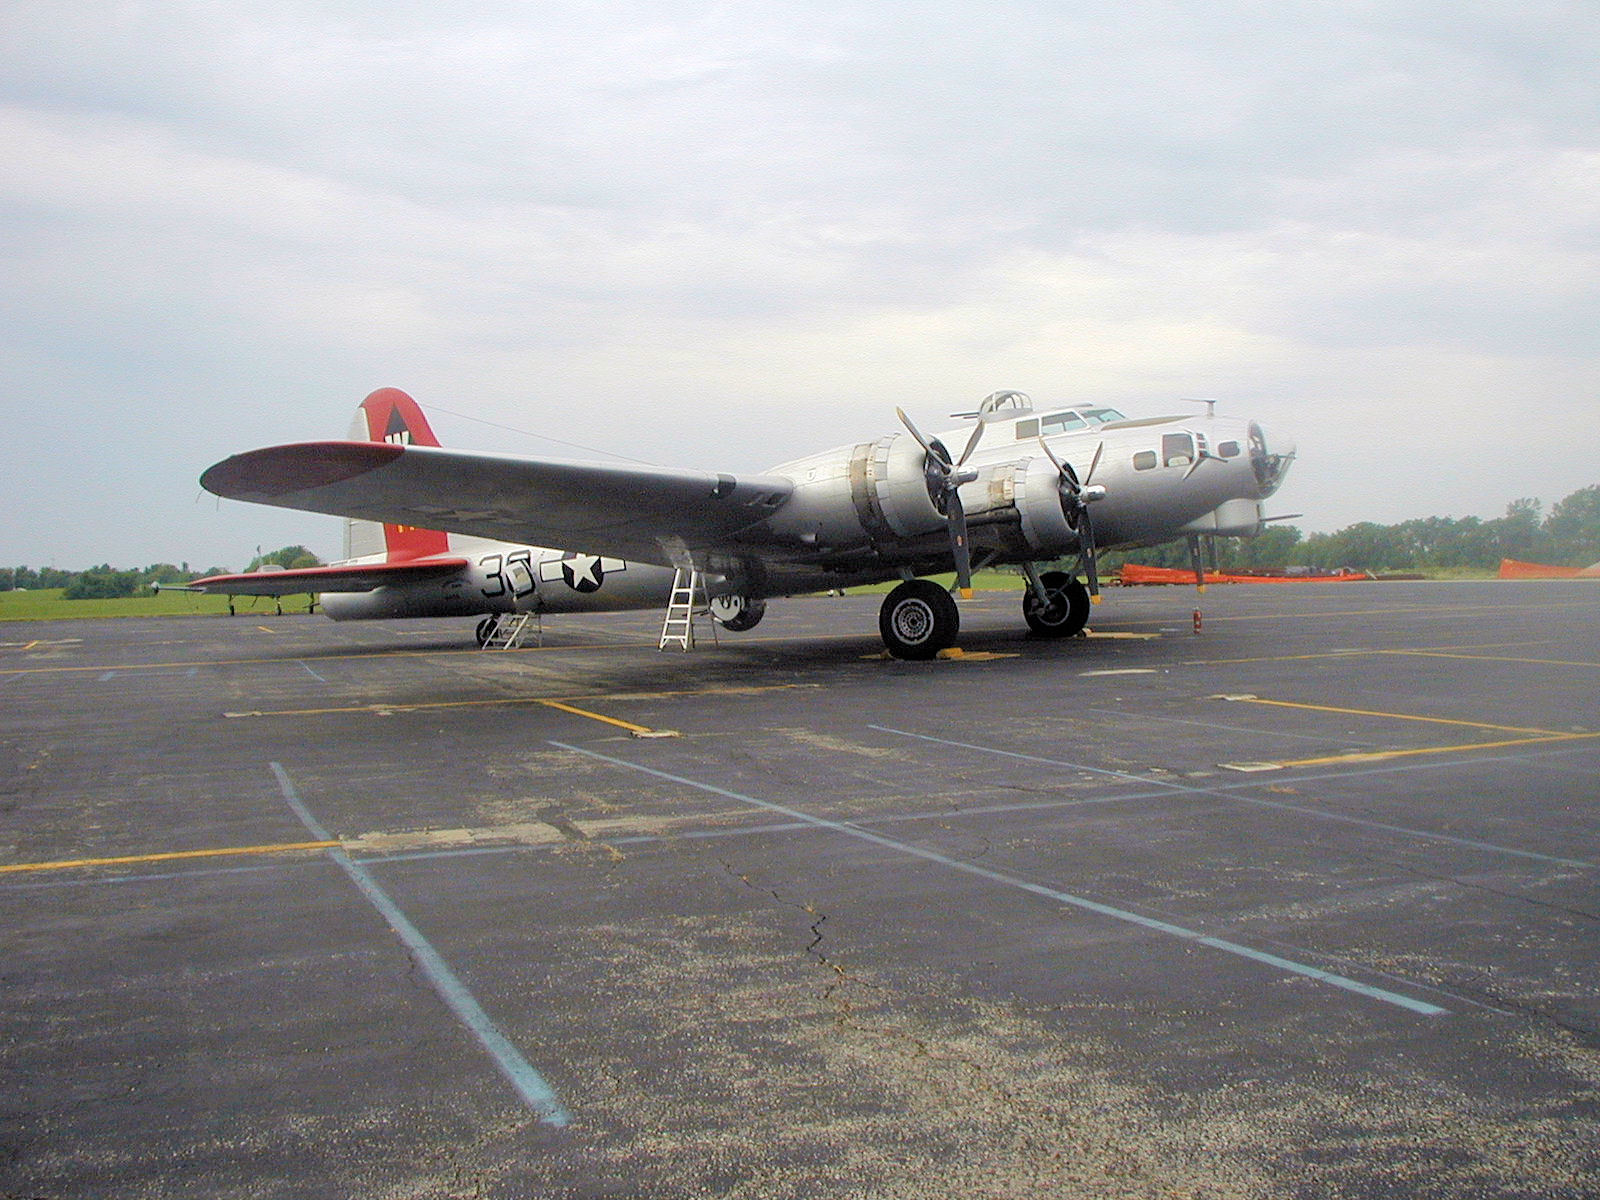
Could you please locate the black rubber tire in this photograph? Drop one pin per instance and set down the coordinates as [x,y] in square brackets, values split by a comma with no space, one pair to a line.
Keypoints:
[748,617]
[485,630]
[918,619]
[1068,612]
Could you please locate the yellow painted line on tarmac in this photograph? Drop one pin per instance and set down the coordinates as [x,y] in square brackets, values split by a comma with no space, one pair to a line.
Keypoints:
[1399,611]
[332,710]
[1380,755]
[594,716]
[1536,662]
[1374,651]
[488,701]
[69,863]
[1368,712]
[373,656]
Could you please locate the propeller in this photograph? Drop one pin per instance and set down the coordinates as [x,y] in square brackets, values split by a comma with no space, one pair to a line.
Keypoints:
[944,479]
[1075,500]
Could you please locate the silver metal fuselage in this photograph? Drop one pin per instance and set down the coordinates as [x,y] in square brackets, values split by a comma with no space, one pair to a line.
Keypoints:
[503,578]
[862,514]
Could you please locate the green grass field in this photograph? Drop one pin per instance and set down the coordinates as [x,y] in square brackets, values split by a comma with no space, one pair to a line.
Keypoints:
[46,604]
[982,581]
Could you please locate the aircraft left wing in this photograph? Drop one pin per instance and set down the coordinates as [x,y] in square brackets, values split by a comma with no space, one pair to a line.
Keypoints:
[649,514]
[306,580]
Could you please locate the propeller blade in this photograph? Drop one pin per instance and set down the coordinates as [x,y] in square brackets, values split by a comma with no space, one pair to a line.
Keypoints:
[1095,462]
[1077,510]
[959,550]
[1086,549]
[1063,469]
[944,488]
[915,432]
[972,443]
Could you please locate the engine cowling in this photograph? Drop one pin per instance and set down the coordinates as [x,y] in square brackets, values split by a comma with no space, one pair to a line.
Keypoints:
[1041,514]
[871,492]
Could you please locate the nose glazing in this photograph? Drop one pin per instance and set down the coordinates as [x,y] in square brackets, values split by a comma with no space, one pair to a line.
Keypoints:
[1270,465]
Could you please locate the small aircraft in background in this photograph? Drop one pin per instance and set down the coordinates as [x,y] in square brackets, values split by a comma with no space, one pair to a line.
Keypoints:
[391,570]
[1030,486]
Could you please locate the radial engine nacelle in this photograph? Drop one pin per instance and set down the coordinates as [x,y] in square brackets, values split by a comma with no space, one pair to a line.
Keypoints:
[878,493]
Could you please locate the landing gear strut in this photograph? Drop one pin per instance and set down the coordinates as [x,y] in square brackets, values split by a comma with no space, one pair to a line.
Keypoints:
[1067,610]
[918,619]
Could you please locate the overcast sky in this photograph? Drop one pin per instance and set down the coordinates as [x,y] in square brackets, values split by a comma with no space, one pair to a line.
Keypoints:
[723,235]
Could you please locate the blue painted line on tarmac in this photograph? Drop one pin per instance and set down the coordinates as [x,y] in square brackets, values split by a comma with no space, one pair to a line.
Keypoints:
[310,672]
[108,675]
[534,1091]
[1229,793]
[1106,910]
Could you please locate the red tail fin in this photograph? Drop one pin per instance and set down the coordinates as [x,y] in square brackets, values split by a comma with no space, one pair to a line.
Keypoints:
[389,415]
[393,416]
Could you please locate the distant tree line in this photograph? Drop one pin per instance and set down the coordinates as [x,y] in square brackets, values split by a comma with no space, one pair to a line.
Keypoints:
[105,582]
[1569,536]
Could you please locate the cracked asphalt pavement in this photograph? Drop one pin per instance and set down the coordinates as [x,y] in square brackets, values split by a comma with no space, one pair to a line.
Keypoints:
[1304,905]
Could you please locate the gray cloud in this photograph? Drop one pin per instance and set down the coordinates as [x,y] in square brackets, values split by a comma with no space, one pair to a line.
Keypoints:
[722,234]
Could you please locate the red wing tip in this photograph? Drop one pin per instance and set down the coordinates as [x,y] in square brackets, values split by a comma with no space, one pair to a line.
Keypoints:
[306,466]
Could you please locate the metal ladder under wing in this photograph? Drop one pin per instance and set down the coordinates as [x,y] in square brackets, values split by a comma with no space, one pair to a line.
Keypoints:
[511,632]
[688,600]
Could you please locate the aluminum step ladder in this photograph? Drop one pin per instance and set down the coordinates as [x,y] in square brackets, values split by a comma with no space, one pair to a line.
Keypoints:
[509,633]
[688,601]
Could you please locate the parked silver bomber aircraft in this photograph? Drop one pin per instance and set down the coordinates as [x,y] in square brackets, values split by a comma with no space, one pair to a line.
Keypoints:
[1031,485]
[394,570]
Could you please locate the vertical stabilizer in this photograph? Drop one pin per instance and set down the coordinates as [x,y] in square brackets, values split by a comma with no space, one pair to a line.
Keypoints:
[389,415]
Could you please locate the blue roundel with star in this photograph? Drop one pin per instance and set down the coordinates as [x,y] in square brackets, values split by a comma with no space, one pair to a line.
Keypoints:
[582,572]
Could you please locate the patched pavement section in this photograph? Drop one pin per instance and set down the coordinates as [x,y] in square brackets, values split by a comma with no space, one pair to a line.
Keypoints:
[1012,923]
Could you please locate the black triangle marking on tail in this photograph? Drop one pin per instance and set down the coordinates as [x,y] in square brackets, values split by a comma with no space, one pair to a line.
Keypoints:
[396,432]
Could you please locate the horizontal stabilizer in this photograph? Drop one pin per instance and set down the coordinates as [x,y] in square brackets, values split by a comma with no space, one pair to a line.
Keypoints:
[306,580]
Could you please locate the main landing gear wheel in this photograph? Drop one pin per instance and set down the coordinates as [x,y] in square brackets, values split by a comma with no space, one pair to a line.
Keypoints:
[918,619]
[1067,612]
[738,613]
[486,630]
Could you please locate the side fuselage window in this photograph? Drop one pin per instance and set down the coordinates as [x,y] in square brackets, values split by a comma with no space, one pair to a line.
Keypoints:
[1227,449]
[1145,460]
[1177,449]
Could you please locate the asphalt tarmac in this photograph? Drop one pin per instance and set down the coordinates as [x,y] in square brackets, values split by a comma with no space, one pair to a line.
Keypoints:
[1304,904]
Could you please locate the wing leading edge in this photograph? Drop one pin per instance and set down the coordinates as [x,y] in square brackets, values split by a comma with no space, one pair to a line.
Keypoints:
[649,514]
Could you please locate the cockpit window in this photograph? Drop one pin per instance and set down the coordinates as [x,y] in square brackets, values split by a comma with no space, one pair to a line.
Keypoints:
[1177,449]
[1029,429]
[1102,416]
[1065,422]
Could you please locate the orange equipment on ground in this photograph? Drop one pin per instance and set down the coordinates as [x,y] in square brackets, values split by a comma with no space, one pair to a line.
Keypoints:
[1510,568]
[1133,573]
